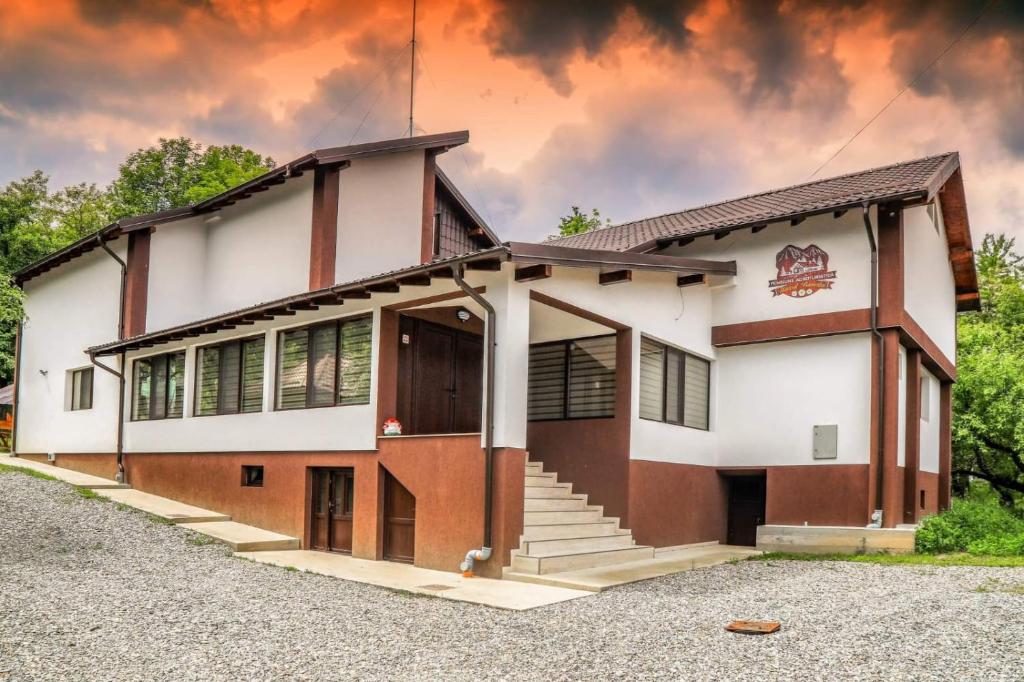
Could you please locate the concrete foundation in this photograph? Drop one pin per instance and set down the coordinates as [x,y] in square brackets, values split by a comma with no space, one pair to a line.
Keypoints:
[835,540]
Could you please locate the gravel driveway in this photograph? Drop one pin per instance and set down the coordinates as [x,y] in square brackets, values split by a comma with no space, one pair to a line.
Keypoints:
[90,591]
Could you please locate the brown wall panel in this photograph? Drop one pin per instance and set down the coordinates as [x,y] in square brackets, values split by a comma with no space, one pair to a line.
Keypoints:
[928,483]
[103,465]
[676,504]
[820,494]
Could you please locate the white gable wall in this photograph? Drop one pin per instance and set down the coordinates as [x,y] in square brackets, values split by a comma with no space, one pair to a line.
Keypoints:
[930,439]
[750,299]
[929,288]
[177,262]
[380,215]
[68,310]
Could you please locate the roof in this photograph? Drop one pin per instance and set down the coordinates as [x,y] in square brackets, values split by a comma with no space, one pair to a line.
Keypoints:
[420,275]
[464,204]
[276,176]
[877,185]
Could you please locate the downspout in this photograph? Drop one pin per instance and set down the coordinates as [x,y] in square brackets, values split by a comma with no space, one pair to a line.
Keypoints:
[484,553]
[17,388]
[876,517]
[120,375]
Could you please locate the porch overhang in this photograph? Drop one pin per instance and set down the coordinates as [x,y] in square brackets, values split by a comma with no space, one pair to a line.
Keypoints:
[492,259]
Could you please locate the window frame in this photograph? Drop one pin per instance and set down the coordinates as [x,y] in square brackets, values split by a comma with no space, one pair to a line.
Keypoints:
[681,379]
[254,481]
[311,330]
[197,376]
[167,356]
[566,376]
[75,397]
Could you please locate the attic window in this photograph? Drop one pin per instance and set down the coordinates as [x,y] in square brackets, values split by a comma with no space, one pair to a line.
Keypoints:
[252,476]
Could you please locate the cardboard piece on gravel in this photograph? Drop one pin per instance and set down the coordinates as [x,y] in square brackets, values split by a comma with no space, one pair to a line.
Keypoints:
[754,627]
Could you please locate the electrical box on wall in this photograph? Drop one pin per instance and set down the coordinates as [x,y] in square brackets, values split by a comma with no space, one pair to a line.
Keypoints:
[826,441]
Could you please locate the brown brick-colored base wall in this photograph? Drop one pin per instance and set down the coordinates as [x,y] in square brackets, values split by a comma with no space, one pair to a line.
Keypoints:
[103,465]
[445,474]
[929,484]
[676,504]
[820,494]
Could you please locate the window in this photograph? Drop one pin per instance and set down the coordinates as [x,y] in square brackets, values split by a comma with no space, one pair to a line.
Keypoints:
[81,389]
[573,379]
[674,386]
[158,387]
[324,365]
[230,377]
[252,476]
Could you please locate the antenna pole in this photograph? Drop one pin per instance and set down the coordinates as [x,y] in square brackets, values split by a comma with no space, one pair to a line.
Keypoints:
[412,68]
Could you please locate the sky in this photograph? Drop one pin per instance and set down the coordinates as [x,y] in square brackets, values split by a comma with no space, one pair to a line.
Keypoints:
[633,108]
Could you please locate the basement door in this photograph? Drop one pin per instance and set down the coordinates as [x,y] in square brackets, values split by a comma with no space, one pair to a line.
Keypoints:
[331,511]
[746,508]
[441,378]
[399,521]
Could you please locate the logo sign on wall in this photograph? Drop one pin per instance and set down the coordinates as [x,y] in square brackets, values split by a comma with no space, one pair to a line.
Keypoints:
[801,272]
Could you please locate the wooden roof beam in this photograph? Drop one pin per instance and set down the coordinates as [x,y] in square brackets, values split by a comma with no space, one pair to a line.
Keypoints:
[530,273]
[615,277]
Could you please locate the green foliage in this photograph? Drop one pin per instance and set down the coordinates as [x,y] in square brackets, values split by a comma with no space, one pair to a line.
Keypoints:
[578,222]
[179,172]
[8,469]
[988,398]
[975,527]
[959,559]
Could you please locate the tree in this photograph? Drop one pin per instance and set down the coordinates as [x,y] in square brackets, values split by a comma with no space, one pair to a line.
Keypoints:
[988,398]
[578,222]
[179,172]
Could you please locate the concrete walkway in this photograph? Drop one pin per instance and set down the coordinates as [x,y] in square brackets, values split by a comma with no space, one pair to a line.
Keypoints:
[666,561]
[504,594]
[75,478]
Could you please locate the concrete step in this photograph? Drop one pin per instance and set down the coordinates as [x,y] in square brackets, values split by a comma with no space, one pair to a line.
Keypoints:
[541,518]
[243,538]
[579,560]
[571,530]
[553,547]
[534,468]
[173,511]
[541,479]
[571,503]
[559,490]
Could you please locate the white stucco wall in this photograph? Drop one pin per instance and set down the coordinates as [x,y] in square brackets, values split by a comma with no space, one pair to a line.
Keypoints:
[929,457]
[68,310]
[380,215]
[771,395]
[750,298]
[929,288]
[177,269]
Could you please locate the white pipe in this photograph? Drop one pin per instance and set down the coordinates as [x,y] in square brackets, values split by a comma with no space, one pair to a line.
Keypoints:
[482,554]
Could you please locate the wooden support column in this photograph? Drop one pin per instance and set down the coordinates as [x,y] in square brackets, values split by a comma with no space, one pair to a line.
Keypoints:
[891,503]
[945,443]
[913,437]
[890,266]
[136,284]
[323,243]
[427,227]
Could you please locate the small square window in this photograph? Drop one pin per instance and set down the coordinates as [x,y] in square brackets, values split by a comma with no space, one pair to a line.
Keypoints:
[252,476]
[81,389]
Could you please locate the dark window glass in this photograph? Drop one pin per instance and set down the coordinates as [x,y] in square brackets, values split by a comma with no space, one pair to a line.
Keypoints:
[572,379]
[674,386]
[230,377]
[252,476]
[324,365]
[81,389]
[158,387]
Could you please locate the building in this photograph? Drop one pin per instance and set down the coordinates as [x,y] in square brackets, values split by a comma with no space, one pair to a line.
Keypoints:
[782,358]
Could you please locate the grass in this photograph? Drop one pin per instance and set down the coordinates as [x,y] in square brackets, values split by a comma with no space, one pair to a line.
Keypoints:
[994,585]
[7,469]
[958,559]
[200,540]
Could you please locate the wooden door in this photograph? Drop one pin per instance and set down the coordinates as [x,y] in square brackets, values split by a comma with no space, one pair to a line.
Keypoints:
[331,510]
[467,399]
[399,521]
[746,508]
[433,353]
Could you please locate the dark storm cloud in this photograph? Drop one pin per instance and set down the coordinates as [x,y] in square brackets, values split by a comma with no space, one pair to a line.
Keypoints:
[105,13]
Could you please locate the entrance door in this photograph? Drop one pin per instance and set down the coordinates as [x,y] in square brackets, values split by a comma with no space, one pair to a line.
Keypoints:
[441,370]
[399,521]
[332,510]
[746,508]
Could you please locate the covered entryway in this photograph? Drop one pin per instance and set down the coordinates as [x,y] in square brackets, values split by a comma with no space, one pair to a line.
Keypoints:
[399,521]
[331,510]
[440,372]
[746,508]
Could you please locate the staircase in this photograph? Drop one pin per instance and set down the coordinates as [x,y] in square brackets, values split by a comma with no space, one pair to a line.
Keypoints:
[561,532]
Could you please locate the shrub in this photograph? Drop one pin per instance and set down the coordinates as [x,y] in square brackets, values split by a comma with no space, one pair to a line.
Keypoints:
[976,527]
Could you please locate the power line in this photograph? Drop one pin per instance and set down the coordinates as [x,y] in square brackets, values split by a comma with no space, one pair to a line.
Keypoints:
[373,103]
[909,85]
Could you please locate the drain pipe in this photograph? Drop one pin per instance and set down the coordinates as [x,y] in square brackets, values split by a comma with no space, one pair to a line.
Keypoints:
[876,517]
[484,553]
[120,375]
